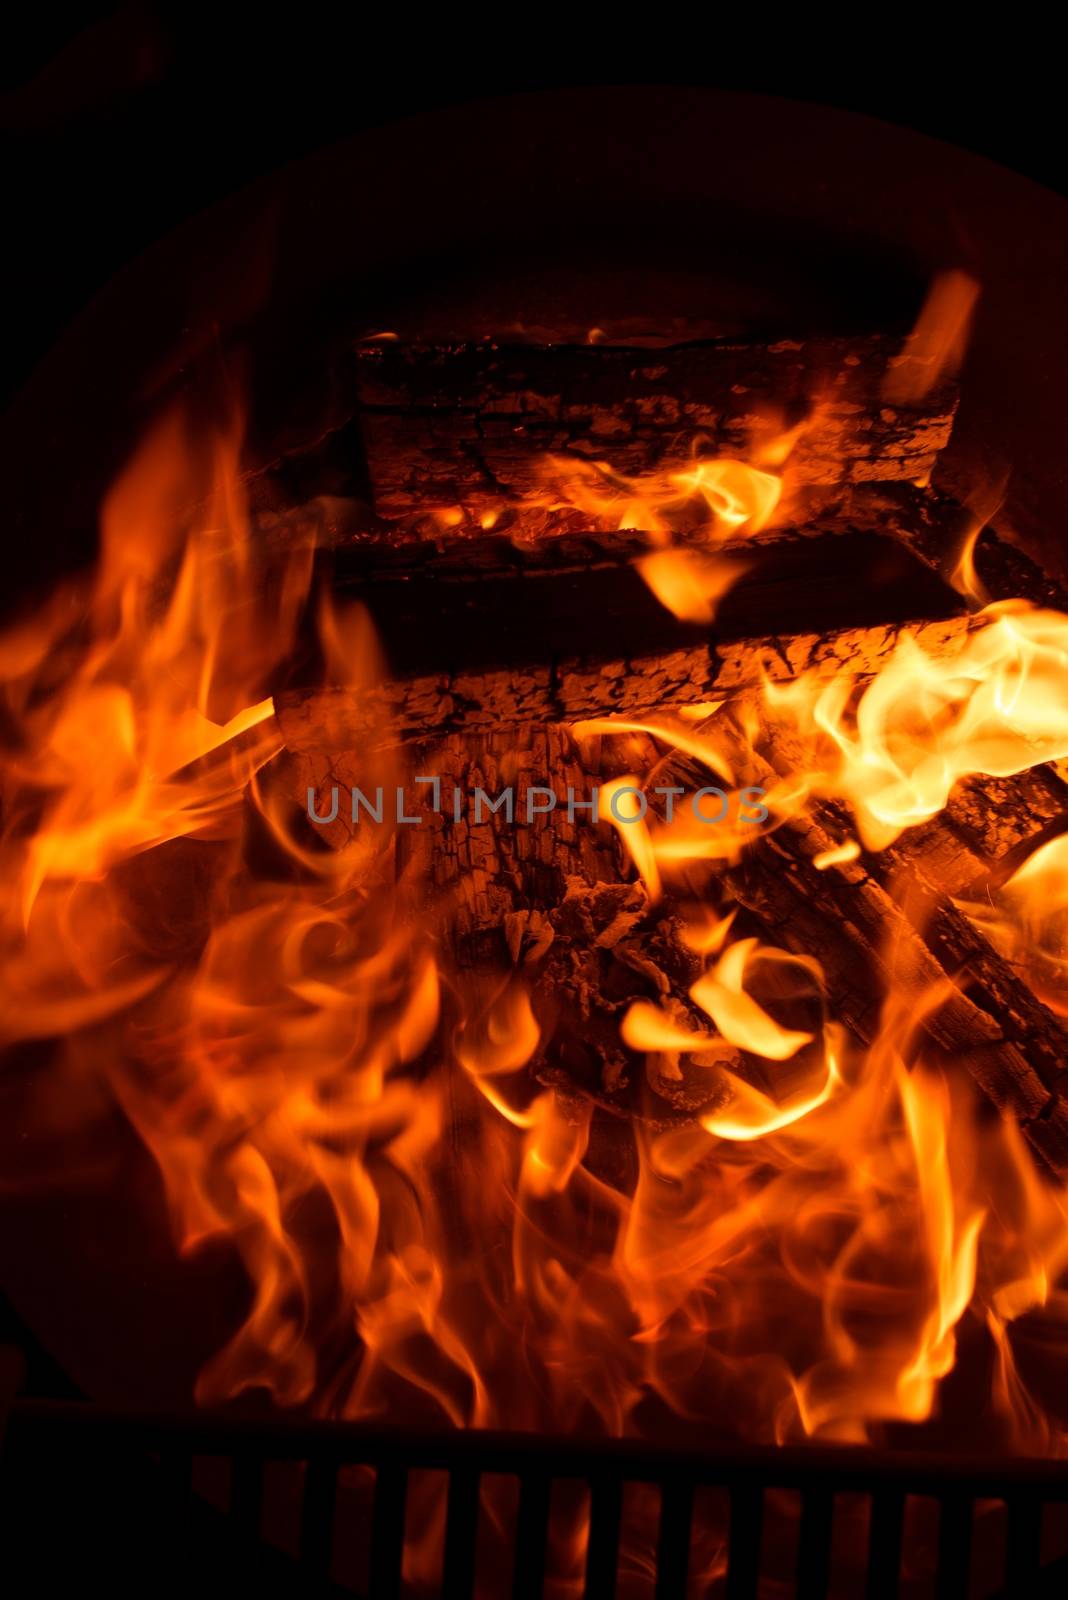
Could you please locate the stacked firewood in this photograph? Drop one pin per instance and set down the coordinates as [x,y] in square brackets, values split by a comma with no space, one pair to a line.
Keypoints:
[507,617]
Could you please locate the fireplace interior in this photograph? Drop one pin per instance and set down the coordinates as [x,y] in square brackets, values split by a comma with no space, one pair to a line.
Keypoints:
[535,941]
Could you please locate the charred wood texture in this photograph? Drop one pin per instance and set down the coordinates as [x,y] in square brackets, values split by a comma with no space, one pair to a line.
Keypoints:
[891,914]
[573,690]
[557,901]
[465,425]
[481,634]
[496,646]
[936,529]
[553,899]
[439,613]
[863,927]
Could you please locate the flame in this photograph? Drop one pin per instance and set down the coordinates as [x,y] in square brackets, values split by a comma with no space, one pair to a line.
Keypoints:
[838,856]
[1027,918]
[936,346]
[717,499]
[622,803]
[895,748]
[736,1014]
[689,585]
[380,1136]
[685,514]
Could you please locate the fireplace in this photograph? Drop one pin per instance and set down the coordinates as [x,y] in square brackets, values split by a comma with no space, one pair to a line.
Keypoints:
[540,846]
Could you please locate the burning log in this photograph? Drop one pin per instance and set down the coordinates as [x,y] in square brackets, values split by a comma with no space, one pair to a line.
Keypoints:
[552,900]
[481,634]
[577,689]
[895,909]
[883,924]
[556,902]
[989,1020]
[466,425]
[938,531]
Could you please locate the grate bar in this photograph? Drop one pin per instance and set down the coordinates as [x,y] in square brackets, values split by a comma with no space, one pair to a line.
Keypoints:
[673,1544]
[56,1424]
[245,1514]
[387,1531]
[602,1549]
[528,1579]
[885,1532]
[954,1547]
[461,1535]
[1023,1545]
[814,1544]
[176,1482]
[743,1554]
[317,1521]
[169,1445]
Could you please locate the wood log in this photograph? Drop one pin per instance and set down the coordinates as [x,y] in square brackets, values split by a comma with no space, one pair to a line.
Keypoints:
[557,902]
[880,922]
[1019,1055]
[554,899]
[575,690]
[437,610]
[935,528]
[482,634]
[463,427]
[1010,1043]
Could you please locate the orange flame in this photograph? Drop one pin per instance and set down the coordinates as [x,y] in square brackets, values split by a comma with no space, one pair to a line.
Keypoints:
[896,747]
[414,1206]
[936,346]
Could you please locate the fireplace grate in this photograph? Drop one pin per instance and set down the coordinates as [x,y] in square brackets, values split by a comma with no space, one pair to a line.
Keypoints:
[126,1481]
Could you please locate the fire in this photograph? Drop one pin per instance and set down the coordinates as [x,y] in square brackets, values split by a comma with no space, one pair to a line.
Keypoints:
[690,586]
[714,499]
[801,1258]
[685,514]
[1027,917]
[936,346]
[894,748]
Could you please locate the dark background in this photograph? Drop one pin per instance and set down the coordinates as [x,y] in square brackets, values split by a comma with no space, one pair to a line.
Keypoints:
[119,123]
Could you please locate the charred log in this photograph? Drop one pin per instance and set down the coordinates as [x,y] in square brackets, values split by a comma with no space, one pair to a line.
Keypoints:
[576,689]
[552,898]
[464,426]
[891,914]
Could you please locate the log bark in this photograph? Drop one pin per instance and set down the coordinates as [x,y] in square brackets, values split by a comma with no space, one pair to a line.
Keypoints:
[880,924]
[521,606]
[577,689]
[895,909]
[553,899]
[1010,1043]
[558,902]
[935,527]
[464,426]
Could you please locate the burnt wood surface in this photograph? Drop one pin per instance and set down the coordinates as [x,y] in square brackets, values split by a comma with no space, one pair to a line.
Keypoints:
[516,615]
[494,645]
[573,690]
[465,426]
[888,921]
[553,899]
[569,629]
[557,901]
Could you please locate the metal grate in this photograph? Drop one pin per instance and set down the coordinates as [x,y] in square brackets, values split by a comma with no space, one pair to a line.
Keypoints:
[137,1465]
